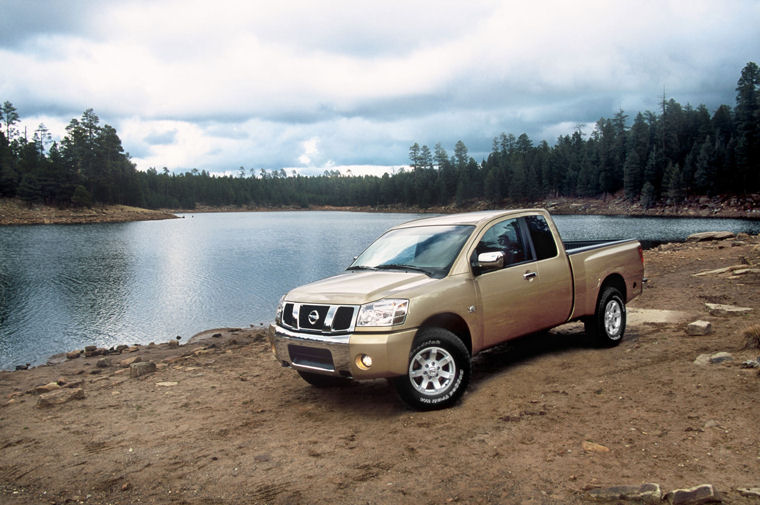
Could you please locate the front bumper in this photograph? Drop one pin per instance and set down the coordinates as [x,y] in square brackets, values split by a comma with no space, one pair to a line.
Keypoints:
[338,355]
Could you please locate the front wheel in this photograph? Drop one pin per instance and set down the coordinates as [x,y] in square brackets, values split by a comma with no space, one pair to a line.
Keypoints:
[438,373]
[607,325]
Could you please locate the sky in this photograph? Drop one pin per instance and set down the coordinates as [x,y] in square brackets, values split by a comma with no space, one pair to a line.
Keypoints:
[351,84]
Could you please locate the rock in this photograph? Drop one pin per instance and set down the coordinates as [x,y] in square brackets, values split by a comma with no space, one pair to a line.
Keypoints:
[90,348]
[173,343]
[60,397]
[122,347]
[720,357]
[593,447]
[744,271]
[693,496]
[141,368]
[751,363]
[718,271]
[125,363]
[167,384]
[103,363]
[216,335]
[645,493]
[98,351]
[22,367]
[709,235]
[717,309]
[698,328]
[46,388]
[753,492]
[73,354]
[712,359]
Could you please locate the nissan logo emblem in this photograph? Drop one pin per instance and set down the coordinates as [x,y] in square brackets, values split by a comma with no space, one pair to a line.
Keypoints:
[313,317]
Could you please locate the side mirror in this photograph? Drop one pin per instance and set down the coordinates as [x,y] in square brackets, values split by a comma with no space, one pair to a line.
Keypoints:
[491,260]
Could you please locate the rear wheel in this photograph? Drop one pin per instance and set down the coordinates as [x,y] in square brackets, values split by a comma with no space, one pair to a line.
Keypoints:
[322,381]
[607,325]
[438,373]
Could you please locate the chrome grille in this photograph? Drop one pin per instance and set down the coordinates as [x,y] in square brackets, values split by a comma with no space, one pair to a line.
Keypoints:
[322,319]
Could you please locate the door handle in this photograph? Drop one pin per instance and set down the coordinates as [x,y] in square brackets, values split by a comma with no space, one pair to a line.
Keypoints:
[528,276]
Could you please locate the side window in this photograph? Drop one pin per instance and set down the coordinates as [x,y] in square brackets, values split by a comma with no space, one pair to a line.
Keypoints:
[505,237]
[542,237]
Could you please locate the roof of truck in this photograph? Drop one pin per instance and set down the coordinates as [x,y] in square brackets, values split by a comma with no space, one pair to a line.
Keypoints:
[466,218]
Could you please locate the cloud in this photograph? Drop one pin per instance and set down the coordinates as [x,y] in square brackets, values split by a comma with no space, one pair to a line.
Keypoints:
[188,83]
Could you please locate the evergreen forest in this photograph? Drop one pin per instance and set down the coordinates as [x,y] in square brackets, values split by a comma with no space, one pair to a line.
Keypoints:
[663,157]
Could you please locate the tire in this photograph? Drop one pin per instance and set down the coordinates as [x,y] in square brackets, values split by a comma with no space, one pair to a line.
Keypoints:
[322,381]
[439,371]
[607,326]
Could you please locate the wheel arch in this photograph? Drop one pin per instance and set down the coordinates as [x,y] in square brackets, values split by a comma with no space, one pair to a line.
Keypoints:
[453,323]
[615,281]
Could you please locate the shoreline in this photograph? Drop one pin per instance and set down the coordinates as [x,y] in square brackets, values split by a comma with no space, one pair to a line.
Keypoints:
[703,207]
[14,213]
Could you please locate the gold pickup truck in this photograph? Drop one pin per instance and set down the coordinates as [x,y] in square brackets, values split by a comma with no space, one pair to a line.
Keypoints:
[429,294]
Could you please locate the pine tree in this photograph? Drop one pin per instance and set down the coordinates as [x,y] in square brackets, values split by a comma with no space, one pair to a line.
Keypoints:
[632,176]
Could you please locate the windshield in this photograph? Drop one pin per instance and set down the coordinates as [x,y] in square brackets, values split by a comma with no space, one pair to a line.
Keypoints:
[428,249]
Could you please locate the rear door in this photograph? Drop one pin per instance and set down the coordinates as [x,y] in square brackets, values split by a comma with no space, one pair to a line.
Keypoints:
[554,282]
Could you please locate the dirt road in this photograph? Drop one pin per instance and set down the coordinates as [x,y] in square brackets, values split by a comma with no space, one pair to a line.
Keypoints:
[547,419]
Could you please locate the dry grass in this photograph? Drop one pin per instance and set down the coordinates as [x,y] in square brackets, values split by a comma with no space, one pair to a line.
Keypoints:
[752,337]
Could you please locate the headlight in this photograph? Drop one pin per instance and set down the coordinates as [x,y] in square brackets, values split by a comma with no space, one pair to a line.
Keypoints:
[383,313]
[278,314]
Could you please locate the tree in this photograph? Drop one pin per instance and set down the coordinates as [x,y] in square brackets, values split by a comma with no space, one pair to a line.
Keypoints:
[414,156]
[748,129]
[632,176]
[426,158]
[10,117]
[42,138]
[81,197]
[676,189]
[648,195]
[705,169]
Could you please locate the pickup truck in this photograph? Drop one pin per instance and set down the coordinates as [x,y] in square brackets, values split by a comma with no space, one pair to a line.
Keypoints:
[427,295]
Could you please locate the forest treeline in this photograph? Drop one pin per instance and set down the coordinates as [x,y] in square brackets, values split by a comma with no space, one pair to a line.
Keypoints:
[666,156]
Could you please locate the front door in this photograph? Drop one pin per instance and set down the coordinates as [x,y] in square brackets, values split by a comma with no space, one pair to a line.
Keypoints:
[508,296]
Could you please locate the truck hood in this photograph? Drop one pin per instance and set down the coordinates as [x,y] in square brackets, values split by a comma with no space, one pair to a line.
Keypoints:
[356,288]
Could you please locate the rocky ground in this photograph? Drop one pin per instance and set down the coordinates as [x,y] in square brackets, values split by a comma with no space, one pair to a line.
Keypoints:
[14,212]
[548,419]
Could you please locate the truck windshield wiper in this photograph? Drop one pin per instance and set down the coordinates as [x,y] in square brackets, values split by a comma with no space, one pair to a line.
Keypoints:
[395,266]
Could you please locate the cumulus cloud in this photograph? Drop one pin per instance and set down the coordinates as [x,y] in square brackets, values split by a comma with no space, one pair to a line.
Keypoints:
[192,84]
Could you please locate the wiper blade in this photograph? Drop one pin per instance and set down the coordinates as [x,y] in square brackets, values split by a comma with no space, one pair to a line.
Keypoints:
[360,267]
[394,266]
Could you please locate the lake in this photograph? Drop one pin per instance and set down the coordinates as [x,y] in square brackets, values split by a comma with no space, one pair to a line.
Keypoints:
[63,287]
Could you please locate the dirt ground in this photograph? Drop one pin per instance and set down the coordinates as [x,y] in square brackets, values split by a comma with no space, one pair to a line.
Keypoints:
[546,419]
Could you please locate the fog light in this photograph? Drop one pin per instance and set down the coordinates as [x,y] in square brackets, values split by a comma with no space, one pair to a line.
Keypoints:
[364,361]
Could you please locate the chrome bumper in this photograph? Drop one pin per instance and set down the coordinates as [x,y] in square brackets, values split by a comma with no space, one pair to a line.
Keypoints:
[302,351]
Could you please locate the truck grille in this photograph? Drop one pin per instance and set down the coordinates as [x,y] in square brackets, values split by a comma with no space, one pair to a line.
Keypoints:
[322,319]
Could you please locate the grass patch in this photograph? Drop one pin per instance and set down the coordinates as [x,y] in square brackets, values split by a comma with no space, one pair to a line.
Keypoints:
[752,337]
